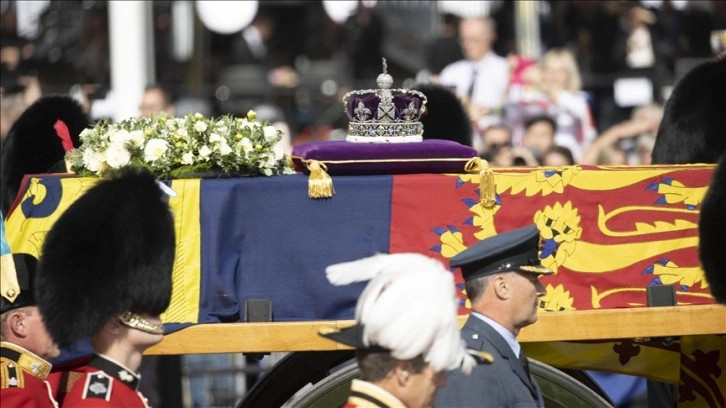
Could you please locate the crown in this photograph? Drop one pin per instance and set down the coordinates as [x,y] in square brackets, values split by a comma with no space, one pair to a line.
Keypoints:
[384,115]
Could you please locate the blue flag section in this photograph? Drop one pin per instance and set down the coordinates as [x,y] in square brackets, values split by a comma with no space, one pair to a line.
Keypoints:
[264,239]
[4,247]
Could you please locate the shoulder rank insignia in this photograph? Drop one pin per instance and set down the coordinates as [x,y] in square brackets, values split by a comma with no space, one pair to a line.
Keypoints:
[11,376]
[98,385]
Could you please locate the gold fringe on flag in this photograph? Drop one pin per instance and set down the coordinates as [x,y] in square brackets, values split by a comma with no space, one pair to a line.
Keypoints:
[487,187]
[320,185]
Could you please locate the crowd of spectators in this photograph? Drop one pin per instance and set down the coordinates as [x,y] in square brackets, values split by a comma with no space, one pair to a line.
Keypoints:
[562,108]
[587,45]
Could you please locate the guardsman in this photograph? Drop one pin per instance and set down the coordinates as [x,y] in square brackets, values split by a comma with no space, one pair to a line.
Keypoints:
[26,345]
[106,274]
[711,227]
[38,141]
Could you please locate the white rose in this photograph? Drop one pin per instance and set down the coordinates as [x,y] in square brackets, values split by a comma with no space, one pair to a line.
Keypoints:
[137,138]
[224,148]
[187,158]
[200,126]
[183,133]
[243,145]
[171,124]
[204,152]
[155,148]
[93,160]
[215,138]
[117,156]
[120,137]
[270,133]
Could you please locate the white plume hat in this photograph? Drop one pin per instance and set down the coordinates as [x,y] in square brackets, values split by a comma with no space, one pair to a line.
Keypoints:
[408,307]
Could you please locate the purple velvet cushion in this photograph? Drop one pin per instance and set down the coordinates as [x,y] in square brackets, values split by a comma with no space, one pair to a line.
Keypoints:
[428,156]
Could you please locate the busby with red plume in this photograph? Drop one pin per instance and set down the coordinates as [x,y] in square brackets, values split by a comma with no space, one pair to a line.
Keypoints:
[38,141]
[693,129]
[712,233]
[111,253]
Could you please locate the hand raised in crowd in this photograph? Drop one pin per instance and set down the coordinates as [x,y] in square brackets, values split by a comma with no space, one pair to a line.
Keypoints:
[625,130]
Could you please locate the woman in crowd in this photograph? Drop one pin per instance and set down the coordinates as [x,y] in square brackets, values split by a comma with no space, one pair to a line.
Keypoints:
[562,86]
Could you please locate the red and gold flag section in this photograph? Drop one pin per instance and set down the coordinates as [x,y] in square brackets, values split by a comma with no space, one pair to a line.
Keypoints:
[608,232]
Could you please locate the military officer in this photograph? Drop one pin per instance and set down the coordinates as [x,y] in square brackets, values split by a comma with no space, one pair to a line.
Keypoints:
[26,345]
[502,282]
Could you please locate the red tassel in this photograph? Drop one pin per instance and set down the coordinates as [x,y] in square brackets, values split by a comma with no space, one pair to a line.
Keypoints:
[61,129]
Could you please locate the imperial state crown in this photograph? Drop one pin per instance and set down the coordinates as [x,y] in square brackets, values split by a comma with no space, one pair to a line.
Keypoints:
[384,115]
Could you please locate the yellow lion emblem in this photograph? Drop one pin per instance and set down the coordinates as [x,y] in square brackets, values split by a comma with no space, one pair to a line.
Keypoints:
[556,299]
[559,227]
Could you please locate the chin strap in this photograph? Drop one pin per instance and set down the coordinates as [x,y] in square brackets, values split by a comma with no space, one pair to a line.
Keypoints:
[137,322]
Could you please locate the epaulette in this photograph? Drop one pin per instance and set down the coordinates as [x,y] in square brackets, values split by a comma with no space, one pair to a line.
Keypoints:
[25,360]
[98,385]
[68,380]
[11,376]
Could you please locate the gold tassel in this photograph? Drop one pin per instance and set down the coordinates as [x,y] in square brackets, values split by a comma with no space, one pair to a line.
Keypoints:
[487,187]
[320,185]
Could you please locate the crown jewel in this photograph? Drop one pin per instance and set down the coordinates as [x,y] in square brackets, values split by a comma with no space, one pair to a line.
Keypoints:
[384,115]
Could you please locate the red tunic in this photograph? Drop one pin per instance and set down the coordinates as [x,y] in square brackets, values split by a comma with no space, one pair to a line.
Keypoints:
[101,383]
[22,379]
[59,376]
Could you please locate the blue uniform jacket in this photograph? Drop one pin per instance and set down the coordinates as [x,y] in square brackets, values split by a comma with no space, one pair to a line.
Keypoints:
[501,384]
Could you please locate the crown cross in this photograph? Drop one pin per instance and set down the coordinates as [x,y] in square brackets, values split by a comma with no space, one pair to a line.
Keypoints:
[386,109]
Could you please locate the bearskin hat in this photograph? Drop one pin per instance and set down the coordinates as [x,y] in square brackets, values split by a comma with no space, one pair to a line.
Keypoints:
[445,116]
[38,140]
[22,267]
[693,129]
[712,233]
[110,252]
